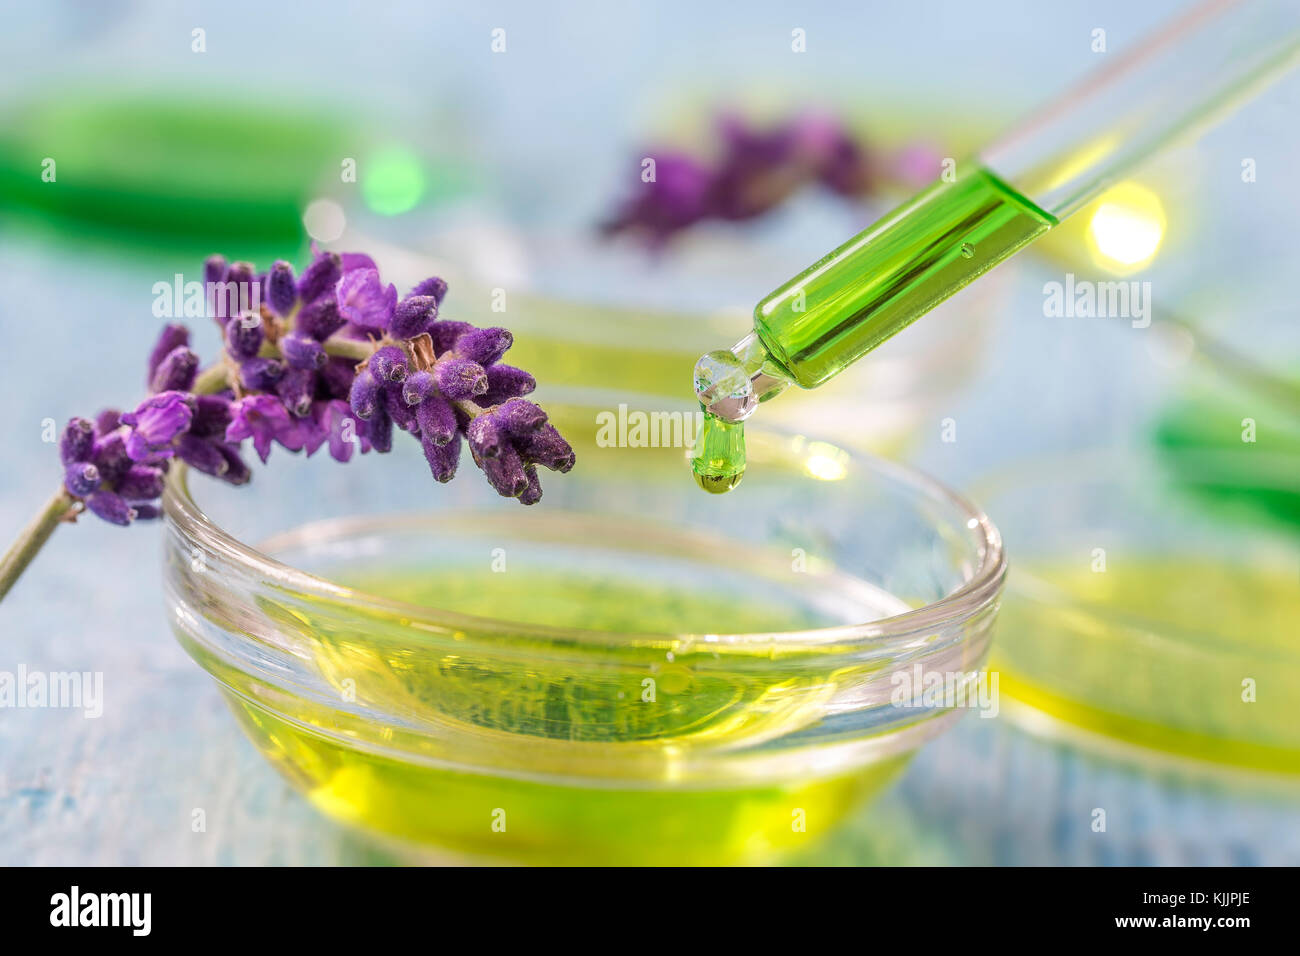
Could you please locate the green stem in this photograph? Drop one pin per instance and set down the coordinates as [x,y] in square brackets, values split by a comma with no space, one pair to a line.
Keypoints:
[32,539]
[359,349]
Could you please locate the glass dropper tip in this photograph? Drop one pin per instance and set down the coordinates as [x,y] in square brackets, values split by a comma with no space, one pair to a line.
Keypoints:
[730,384]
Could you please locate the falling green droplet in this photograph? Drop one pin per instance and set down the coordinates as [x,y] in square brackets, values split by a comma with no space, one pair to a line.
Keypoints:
[719,459]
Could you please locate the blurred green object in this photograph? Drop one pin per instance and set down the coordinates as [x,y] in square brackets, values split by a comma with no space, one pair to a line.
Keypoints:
[165,172]
[1234,441]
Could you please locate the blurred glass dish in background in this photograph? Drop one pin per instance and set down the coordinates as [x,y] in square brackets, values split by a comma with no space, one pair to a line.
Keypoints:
[1140,619]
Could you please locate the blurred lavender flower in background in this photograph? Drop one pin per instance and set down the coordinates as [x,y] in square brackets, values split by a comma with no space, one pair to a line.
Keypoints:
[755,170]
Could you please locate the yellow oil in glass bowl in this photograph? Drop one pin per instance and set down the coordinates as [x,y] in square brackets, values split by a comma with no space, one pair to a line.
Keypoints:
[629,673]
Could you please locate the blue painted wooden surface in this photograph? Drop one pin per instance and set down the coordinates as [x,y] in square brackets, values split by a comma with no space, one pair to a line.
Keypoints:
[75,325]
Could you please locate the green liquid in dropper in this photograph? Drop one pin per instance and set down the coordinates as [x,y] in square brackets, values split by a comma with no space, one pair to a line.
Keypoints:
[884,279]
[874,286]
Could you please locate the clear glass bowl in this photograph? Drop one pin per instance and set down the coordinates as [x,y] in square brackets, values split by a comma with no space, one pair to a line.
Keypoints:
[631,671]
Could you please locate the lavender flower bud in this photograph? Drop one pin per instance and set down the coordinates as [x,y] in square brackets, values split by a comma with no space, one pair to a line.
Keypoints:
[147,512]
[533,493]
[389,364]
[320,278]
[417,387]
[505,472]
[402,414]
[141,483]
[485,438]
[77,441]
[484,346]
[321,319]
[107,420]
[281,291]
[436,420]
[505,382]
[432,286]
[260,374]
[459,378]
[110,456]
[519,417]
[171,338]
[413,315]
[296,388]
[240,279]
[176,372]
[202,454]
[214,270]
[365,395]
[237,471]
[111,507]
[546,447]
[211,416]
[337,375]
[302,351]
[244,337]
[445,334]
[379,429]
[80,478]
[442,458]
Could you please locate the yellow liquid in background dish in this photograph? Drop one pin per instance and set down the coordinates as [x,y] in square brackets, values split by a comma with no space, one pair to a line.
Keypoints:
[1155,652]
[619,822]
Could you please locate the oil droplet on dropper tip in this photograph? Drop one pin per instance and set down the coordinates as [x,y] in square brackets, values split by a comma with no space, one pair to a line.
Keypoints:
[719,458]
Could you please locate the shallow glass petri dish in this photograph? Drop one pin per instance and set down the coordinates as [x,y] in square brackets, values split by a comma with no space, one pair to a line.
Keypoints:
[631,671]
[1145,623]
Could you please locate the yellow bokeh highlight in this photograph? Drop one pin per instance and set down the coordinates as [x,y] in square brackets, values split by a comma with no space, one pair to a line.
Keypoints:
[1126,228]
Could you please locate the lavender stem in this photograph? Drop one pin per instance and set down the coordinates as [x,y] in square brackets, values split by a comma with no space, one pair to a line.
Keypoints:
[32,539]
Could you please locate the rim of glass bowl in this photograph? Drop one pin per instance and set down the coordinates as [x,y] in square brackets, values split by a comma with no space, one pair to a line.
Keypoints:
[978,592]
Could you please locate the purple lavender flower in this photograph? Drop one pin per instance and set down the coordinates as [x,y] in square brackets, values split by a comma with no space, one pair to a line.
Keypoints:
[172,337]
[112,507]
[338,426]
[176,372]
[756,170]
[281,290]
[265,420]
[678,197]
[399,366]
[244,338]
[156,423]
[303,351]
[364,301]
[261,374]
[98,470]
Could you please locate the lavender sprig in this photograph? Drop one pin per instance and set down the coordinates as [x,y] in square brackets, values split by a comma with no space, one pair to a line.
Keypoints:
[331,358]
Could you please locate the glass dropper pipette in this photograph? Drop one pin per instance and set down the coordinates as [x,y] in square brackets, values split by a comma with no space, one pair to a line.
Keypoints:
[1169,86]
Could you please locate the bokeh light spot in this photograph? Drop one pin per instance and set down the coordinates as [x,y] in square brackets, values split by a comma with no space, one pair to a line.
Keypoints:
[392,181]
[324,220]
[1127,227]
